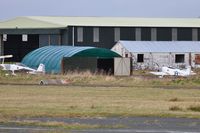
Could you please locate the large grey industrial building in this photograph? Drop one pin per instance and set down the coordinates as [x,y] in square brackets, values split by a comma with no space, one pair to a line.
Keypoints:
[21,35]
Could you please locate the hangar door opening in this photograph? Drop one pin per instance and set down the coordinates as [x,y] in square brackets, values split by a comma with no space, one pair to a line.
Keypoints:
[105,66]
[19,46]
[70,64]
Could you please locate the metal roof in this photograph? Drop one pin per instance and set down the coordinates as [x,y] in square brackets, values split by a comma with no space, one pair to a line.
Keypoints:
[161,46]
[27,23]
[51,56]
[63,22]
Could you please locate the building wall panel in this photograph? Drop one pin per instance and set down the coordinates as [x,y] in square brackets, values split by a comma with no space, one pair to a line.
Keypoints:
[43,40]
[157,60]
[70,35]
[174,34]
[1,44]
[146,34]
[95,34]
[54,39]
[184,34]
[64,37]
[195,34]
[117,32]
[106,37]
[127,33]
[164,34]
[153,34]
[138,34]
[88,35]
[18,48]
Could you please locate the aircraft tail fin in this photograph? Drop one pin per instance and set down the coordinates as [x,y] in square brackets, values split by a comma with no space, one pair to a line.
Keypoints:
[188,70]
[41,68]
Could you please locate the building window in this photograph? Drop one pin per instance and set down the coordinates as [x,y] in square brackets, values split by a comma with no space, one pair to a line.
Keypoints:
[138,34]
[24,38]
[153,34]
[4,37]
[179,58]
[194,34]
[174,34]
[140,58]
[95,34]
[80,34]
[117,34]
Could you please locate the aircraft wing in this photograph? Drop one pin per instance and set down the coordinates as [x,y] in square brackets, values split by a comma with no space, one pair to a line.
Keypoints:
[6,56]
[25,69]
[159,73]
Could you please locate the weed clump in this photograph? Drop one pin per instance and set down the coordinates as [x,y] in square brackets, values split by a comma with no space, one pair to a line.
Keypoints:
[93,107]
[194,108]
[175,99]
[175,108]
[73,107]
[179,82]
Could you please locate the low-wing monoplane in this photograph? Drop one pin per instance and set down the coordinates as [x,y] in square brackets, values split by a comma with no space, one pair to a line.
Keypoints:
[174,72]
[20,67]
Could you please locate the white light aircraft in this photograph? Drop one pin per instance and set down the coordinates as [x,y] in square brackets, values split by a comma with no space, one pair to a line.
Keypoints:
[20,67]
[174,72]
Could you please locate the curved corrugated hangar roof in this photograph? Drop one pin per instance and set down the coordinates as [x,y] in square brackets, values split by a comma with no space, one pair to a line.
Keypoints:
[51,56]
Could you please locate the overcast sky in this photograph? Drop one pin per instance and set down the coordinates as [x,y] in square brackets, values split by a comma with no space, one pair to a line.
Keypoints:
[131,8]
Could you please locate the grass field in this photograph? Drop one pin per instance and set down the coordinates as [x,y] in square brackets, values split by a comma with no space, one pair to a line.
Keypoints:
[140,78]
[61,101]
[89,95]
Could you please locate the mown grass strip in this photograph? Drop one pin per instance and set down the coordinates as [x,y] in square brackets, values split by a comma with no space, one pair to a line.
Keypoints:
[68,101]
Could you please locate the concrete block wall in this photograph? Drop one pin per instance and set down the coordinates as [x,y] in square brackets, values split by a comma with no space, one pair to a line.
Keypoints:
[157,60]
[121,50]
